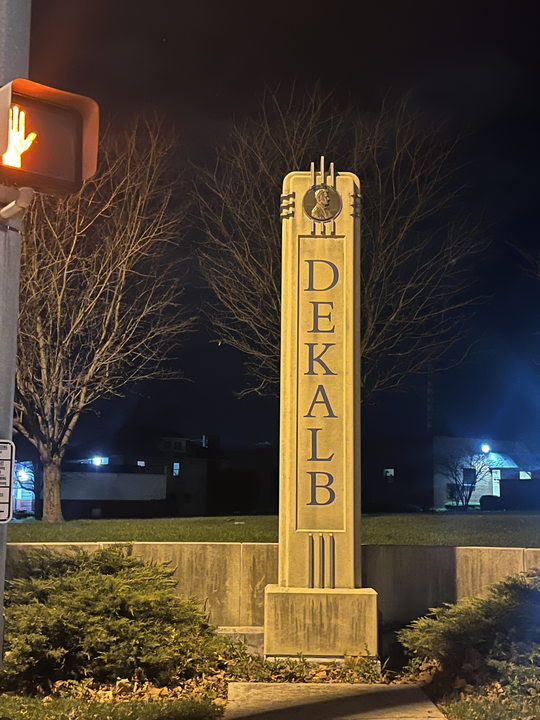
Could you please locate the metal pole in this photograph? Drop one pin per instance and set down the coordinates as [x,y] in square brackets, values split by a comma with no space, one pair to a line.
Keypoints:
[14,57]
[14,39]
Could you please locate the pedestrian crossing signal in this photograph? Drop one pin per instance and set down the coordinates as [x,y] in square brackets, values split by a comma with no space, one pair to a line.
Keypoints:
[48,138]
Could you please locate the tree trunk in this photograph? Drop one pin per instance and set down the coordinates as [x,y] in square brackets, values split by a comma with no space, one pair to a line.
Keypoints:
[52,506]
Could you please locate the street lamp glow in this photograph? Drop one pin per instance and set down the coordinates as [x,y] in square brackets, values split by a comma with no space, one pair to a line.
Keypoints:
[485,448]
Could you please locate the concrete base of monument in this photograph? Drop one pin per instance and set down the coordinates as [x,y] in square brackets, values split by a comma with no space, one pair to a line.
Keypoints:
[320,623]
[251,635]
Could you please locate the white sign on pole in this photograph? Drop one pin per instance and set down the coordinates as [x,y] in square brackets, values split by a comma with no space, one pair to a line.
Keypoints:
[7,466]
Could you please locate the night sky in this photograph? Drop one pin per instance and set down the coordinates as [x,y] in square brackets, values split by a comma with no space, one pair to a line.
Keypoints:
[199,63]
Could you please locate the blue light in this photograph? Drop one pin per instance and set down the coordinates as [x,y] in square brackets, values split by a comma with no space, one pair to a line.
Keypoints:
[485,448]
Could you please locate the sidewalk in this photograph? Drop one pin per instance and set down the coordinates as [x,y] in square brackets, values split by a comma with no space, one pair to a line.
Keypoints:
[318,701]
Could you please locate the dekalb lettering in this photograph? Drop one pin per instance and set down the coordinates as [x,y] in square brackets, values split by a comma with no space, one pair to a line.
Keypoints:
[322,277]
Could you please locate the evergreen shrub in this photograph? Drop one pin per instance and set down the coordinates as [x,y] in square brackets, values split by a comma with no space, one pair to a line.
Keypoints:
[104,615]
[496,639]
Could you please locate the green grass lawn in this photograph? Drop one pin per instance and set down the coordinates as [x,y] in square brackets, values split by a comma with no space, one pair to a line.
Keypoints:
[477,707]
[214,529]
[506,529]
[26,708]
[454,529]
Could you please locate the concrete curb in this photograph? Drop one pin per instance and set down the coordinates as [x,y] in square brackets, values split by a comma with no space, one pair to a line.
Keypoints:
[328,701]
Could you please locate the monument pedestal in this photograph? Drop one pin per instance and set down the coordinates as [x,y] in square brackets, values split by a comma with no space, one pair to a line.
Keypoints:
[320,623]
[318,607]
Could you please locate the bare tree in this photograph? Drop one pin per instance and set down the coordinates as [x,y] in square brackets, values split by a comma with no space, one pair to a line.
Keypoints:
[464,468]
[418,246]
[531,264]
[100,293]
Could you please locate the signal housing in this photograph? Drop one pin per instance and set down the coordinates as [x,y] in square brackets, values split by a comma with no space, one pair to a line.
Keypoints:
[64,152]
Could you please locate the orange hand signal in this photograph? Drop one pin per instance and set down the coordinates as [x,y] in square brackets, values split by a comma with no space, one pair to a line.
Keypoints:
[17,142]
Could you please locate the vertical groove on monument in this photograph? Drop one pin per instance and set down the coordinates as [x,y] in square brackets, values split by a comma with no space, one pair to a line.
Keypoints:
[319,536]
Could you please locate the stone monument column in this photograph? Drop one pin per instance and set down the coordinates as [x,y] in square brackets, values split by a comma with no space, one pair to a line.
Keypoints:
[319,607]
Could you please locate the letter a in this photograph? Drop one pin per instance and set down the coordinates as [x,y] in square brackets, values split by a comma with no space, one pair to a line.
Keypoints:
[325,401]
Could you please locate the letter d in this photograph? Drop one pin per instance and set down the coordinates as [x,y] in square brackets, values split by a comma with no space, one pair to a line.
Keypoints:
[311,286]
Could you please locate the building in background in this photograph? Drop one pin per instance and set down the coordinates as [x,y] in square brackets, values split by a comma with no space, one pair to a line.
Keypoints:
[418,473]
[507,472]
[166,475]
[24,486]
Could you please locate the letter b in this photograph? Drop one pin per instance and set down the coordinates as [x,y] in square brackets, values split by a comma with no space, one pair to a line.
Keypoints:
[314,487]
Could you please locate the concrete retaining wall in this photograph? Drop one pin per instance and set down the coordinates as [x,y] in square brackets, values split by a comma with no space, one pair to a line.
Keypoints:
[229,578]
[412,579]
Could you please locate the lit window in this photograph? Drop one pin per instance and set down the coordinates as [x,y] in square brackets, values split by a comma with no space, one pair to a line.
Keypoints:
[176,469]
[141,463]
[469,477]
[524,475]
[388,474]
[496,482]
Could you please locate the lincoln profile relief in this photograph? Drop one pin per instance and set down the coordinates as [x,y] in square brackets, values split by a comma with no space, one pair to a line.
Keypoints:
[322,199]
[322,203]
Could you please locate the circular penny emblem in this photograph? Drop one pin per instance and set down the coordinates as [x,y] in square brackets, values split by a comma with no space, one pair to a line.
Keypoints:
[322,203]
